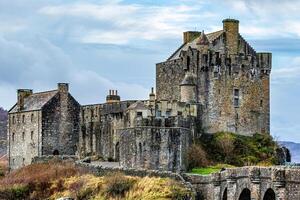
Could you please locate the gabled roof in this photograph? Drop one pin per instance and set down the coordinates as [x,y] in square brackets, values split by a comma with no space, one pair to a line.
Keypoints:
[35,101]
[193,44]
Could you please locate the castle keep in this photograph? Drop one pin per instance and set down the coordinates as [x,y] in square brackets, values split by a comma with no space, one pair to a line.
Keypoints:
[213,82]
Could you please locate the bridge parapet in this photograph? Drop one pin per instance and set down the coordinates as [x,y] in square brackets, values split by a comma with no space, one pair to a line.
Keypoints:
[258,182]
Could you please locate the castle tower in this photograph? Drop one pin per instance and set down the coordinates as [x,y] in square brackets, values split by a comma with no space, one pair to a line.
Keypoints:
[188,88]
[231,29]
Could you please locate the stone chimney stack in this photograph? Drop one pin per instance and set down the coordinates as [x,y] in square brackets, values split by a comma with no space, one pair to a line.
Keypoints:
[63,87]
[231,29]
[113,97]
[190,36]
[22,94]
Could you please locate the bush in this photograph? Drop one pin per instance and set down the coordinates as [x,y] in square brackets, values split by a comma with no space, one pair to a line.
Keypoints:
[196,157]
[15,193]
[117,184]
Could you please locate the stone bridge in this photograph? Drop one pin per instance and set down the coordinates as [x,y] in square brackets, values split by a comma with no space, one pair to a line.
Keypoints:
[248,183]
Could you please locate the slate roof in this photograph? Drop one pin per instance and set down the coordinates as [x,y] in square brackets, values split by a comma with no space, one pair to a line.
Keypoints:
[139,105]
[193,44]
[35,101]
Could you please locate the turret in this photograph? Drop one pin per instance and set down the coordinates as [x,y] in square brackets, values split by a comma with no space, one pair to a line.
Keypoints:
[231,29]
[152,95]
[188,88]
[264,62]
[113,97]
[22,94]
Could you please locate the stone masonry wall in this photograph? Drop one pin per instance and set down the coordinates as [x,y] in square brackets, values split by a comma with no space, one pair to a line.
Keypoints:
[154,148]
[24,137]
[169,75]
[60,126]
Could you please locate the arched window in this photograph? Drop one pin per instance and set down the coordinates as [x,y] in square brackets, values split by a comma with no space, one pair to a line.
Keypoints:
[269,195]
[23,136]
[245,195]
[55,152]
[31,118]
[13,137]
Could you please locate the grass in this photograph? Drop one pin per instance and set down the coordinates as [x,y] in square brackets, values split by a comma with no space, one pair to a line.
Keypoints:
[210,169]
[55,180]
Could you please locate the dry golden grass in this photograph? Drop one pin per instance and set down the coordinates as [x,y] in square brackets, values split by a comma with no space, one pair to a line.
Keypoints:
[55,180]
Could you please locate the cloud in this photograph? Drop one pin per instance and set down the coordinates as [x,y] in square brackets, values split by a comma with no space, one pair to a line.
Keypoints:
[125,23]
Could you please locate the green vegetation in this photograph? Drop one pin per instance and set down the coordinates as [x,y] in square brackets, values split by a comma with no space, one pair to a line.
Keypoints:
[232,149]
[55,180]
[210,169]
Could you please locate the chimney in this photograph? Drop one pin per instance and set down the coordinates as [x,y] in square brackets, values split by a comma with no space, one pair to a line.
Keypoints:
[22,94]
[231,29]
[113,97]
[63,87]
[190,36]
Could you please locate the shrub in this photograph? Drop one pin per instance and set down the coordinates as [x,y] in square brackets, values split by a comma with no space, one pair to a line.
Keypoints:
[117,184]
[84,194]
[15,193]
[225,142]
[196,157]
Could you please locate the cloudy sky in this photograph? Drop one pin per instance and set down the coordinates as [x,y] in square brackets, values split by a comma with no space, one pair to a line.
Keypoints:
[97,45]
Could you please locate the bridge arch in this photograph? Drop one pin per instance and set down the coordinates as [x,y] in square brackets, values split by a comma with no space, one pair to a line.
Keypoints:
[224,194]
[269,195]
[245,194]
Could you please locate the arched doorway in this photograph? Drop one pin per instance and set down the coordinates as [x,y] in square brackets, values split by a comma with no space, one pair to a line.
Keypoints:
[117,152]
[245,195]
[225,195]
[269,195]
[55,152]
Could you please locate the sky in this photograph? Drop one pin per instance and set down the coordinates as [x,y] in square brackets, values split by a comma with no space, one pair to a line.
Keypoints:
[97,45]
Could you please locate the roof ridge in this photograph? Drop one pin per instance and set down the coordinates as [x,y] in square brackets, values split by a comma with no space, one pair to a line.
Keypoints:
[44,92]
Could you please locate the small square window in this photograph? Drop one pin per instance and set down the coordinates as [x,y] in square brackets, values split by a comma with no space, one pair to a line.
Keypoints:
[236,102]
[139,114]
[236,92]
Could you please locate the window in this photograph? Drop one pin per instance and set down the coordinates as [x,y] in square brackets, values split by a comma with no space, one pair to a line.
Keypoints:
[261,103]
[236,92]
[23,118]
[13,137]
[31,135]
[23,136]
[23,161]
[13,120]
[31,118]
[188,62]
[236,98]
[168,113]
[179,113]
[139,114]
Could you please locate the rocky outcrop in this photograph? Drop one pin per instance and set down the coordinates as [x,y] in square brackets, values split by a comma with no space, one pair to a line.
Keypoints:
[283,155]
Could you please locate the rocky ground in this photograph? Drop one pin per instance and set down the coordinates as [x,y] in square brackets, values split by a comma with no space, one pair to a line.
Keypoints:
[294,149]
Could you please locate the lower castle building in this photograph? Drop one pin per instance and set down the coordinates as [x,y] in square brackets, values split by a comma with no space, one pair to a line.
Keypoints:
[213,82]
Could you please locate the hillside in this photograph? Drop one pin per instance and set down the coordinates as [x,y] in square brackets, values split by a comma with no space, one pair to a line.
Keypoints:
[54,180]
[3,130]
[294,149]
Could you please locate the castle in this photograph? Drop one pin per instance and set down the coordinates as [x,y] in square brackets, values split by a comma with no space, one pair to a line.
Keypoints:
[213,82]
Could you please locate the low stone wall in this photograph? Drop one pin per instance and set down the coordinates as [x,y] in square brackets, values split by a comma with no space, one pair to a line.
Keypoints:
[45,159]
